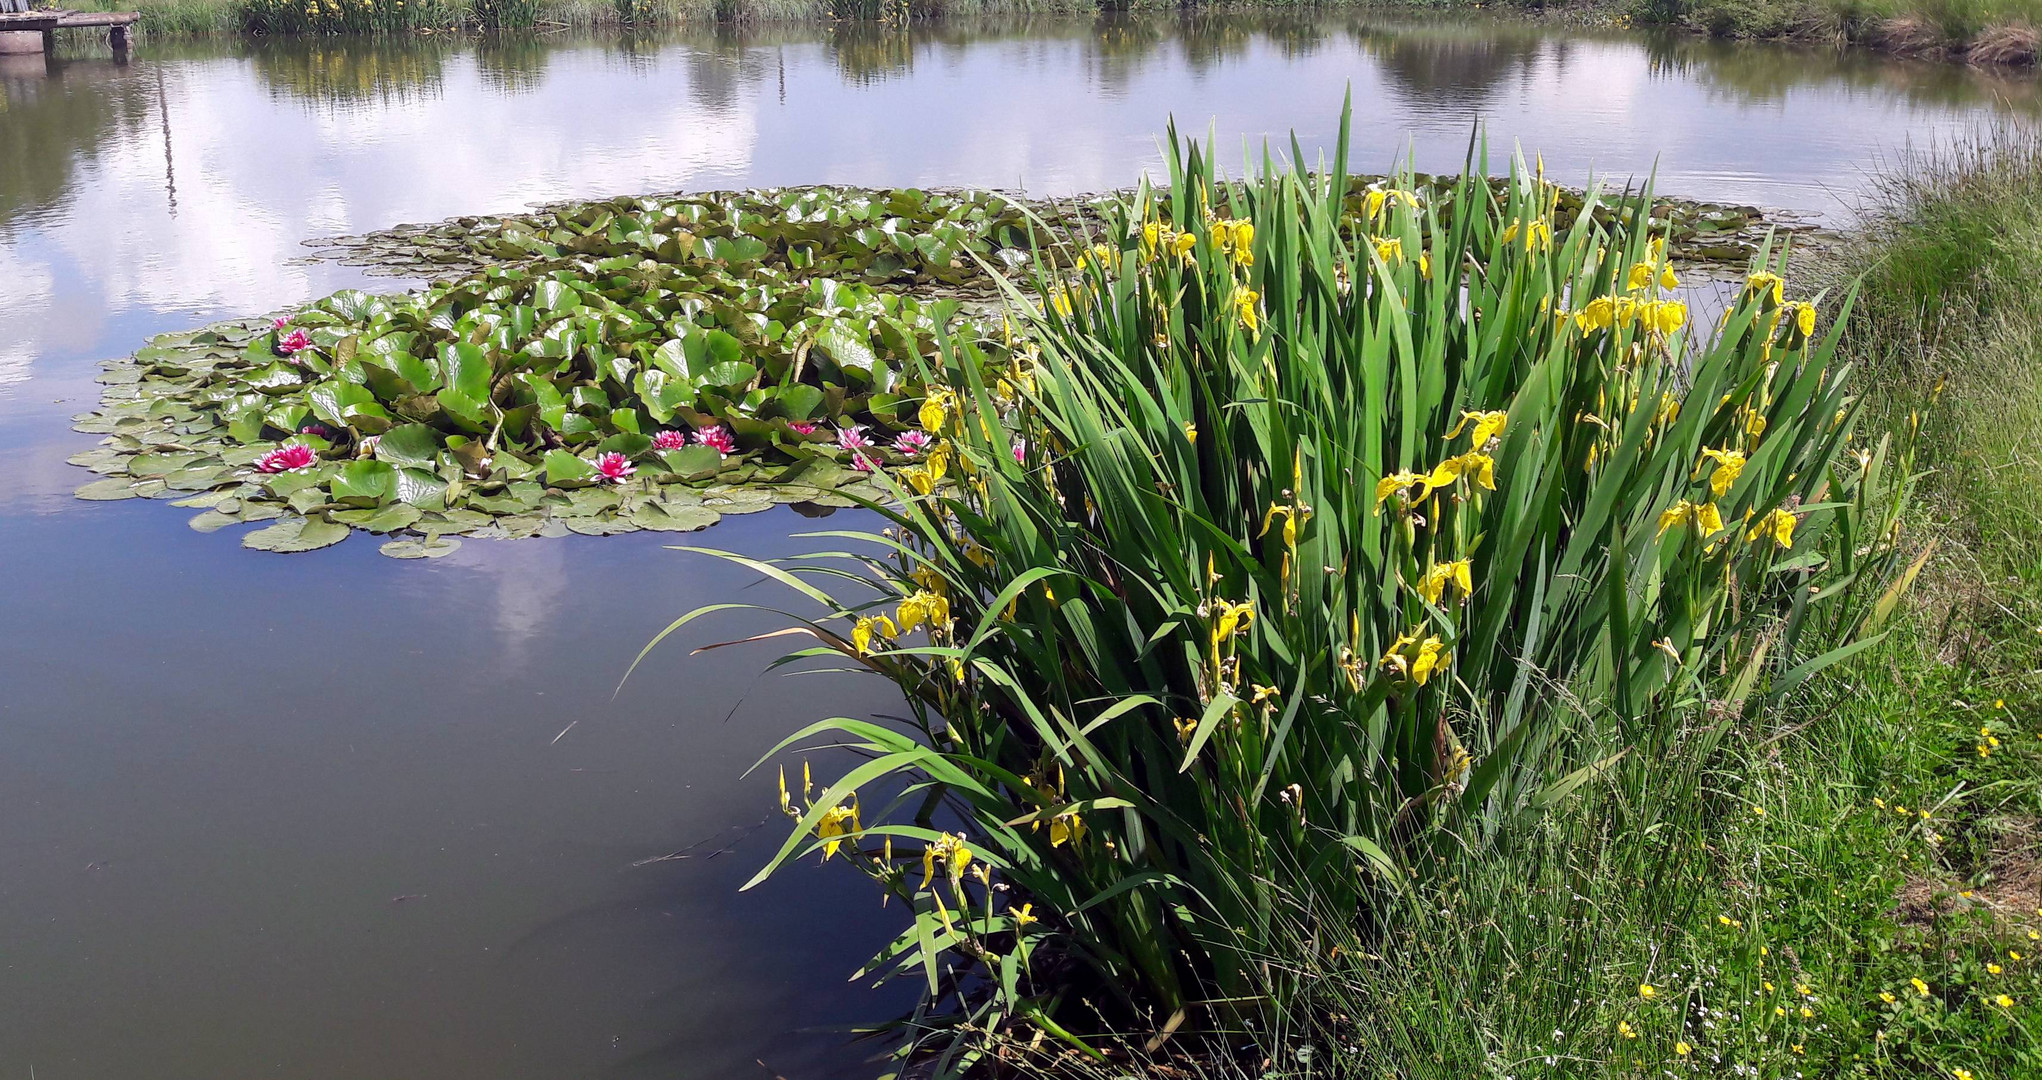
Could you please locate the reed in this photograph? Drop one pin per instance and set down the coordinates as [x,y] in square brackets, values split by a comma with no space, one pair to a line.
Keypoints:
[1306,535]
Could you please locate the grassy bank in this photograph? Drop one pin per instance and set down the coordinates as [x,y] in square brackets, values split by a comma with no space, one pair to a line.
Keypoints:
[1981,31]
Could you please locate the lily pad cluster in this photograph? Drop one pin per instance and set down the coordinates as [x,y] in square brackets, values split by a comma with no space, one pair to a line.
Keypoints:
[163,442]
[679,361]
[905,237]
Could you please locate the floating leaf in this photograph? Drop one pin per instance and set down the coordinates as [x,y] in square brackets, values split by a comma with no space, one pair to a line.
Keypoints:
[108,490]
[296,534]
[431,547]
[662,517]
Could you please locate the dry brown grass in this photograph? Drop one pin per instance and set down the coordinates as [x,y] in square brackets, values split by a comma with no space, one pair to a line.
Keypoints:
[2012,46]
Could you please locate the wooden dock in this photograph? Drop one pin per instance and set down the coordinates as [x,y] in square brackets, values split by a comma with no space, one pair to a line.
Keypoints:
[51,20]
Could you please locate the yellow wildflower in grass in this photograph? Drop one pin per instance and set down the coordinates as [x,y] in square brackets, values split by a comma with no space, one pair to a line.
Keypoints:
[2003,1001]
[1729,466]
[1681,1047]
[837,823]
[1993,968]
[1389,249]
[1887,997]
[1961,1074]
[861,635]
[2012,955]
[1624,1028]
[924,607]
[1488,425]
[1647,991]
[1024,915]
[1434,583]
[1920,987]
[1779,525]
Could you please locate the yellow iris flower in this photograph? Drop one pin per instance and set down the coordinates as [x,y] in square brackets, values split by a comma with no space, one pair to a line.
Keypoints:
[1763,283]
[837,823]
[1401,482]
[1434,583]
[1481,467]
[1779,525]
[1488,425]
[861,635]
[1729,466]
[949,850]
[1244,307]
[936,409]
[1704,517]
[925,607]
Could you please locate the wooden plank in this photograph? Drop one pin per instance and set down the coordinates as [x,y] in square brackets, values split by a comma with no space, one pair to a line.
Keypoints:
[33,20]
[97,18]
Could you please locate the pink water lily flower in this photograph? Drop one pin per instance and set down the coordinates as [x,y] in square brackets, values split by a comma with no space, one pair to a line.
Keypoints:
[913,442]
[297,342]
[290,457]
[853,438]
[801,427]
[719,437]
[669,440]
[615,467]
[281,322]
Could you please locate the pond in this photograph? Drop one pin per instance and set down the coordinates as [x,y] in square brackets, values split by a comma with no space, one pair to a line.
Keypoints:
[336,816]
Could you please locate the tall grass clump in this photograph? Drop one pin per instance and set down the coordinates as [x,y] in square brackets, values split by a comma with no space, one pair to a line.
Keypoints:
[346,16]
[1952,326]
[1304,539]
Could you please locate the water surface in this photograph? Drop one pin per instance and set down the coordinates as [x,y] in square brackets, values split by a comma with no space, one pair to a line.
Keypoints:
[314,816]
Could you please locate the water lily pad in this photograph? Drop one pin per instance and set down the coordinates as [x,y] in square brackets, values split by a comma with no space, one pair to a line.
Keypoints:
[108,490]
[608,526]
[296,534]
[212,521]
[663,517]
[431,547]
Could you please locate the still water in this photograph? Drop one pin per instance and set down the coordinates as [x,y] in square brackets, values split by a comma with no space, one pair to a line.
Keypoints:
[314,817]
